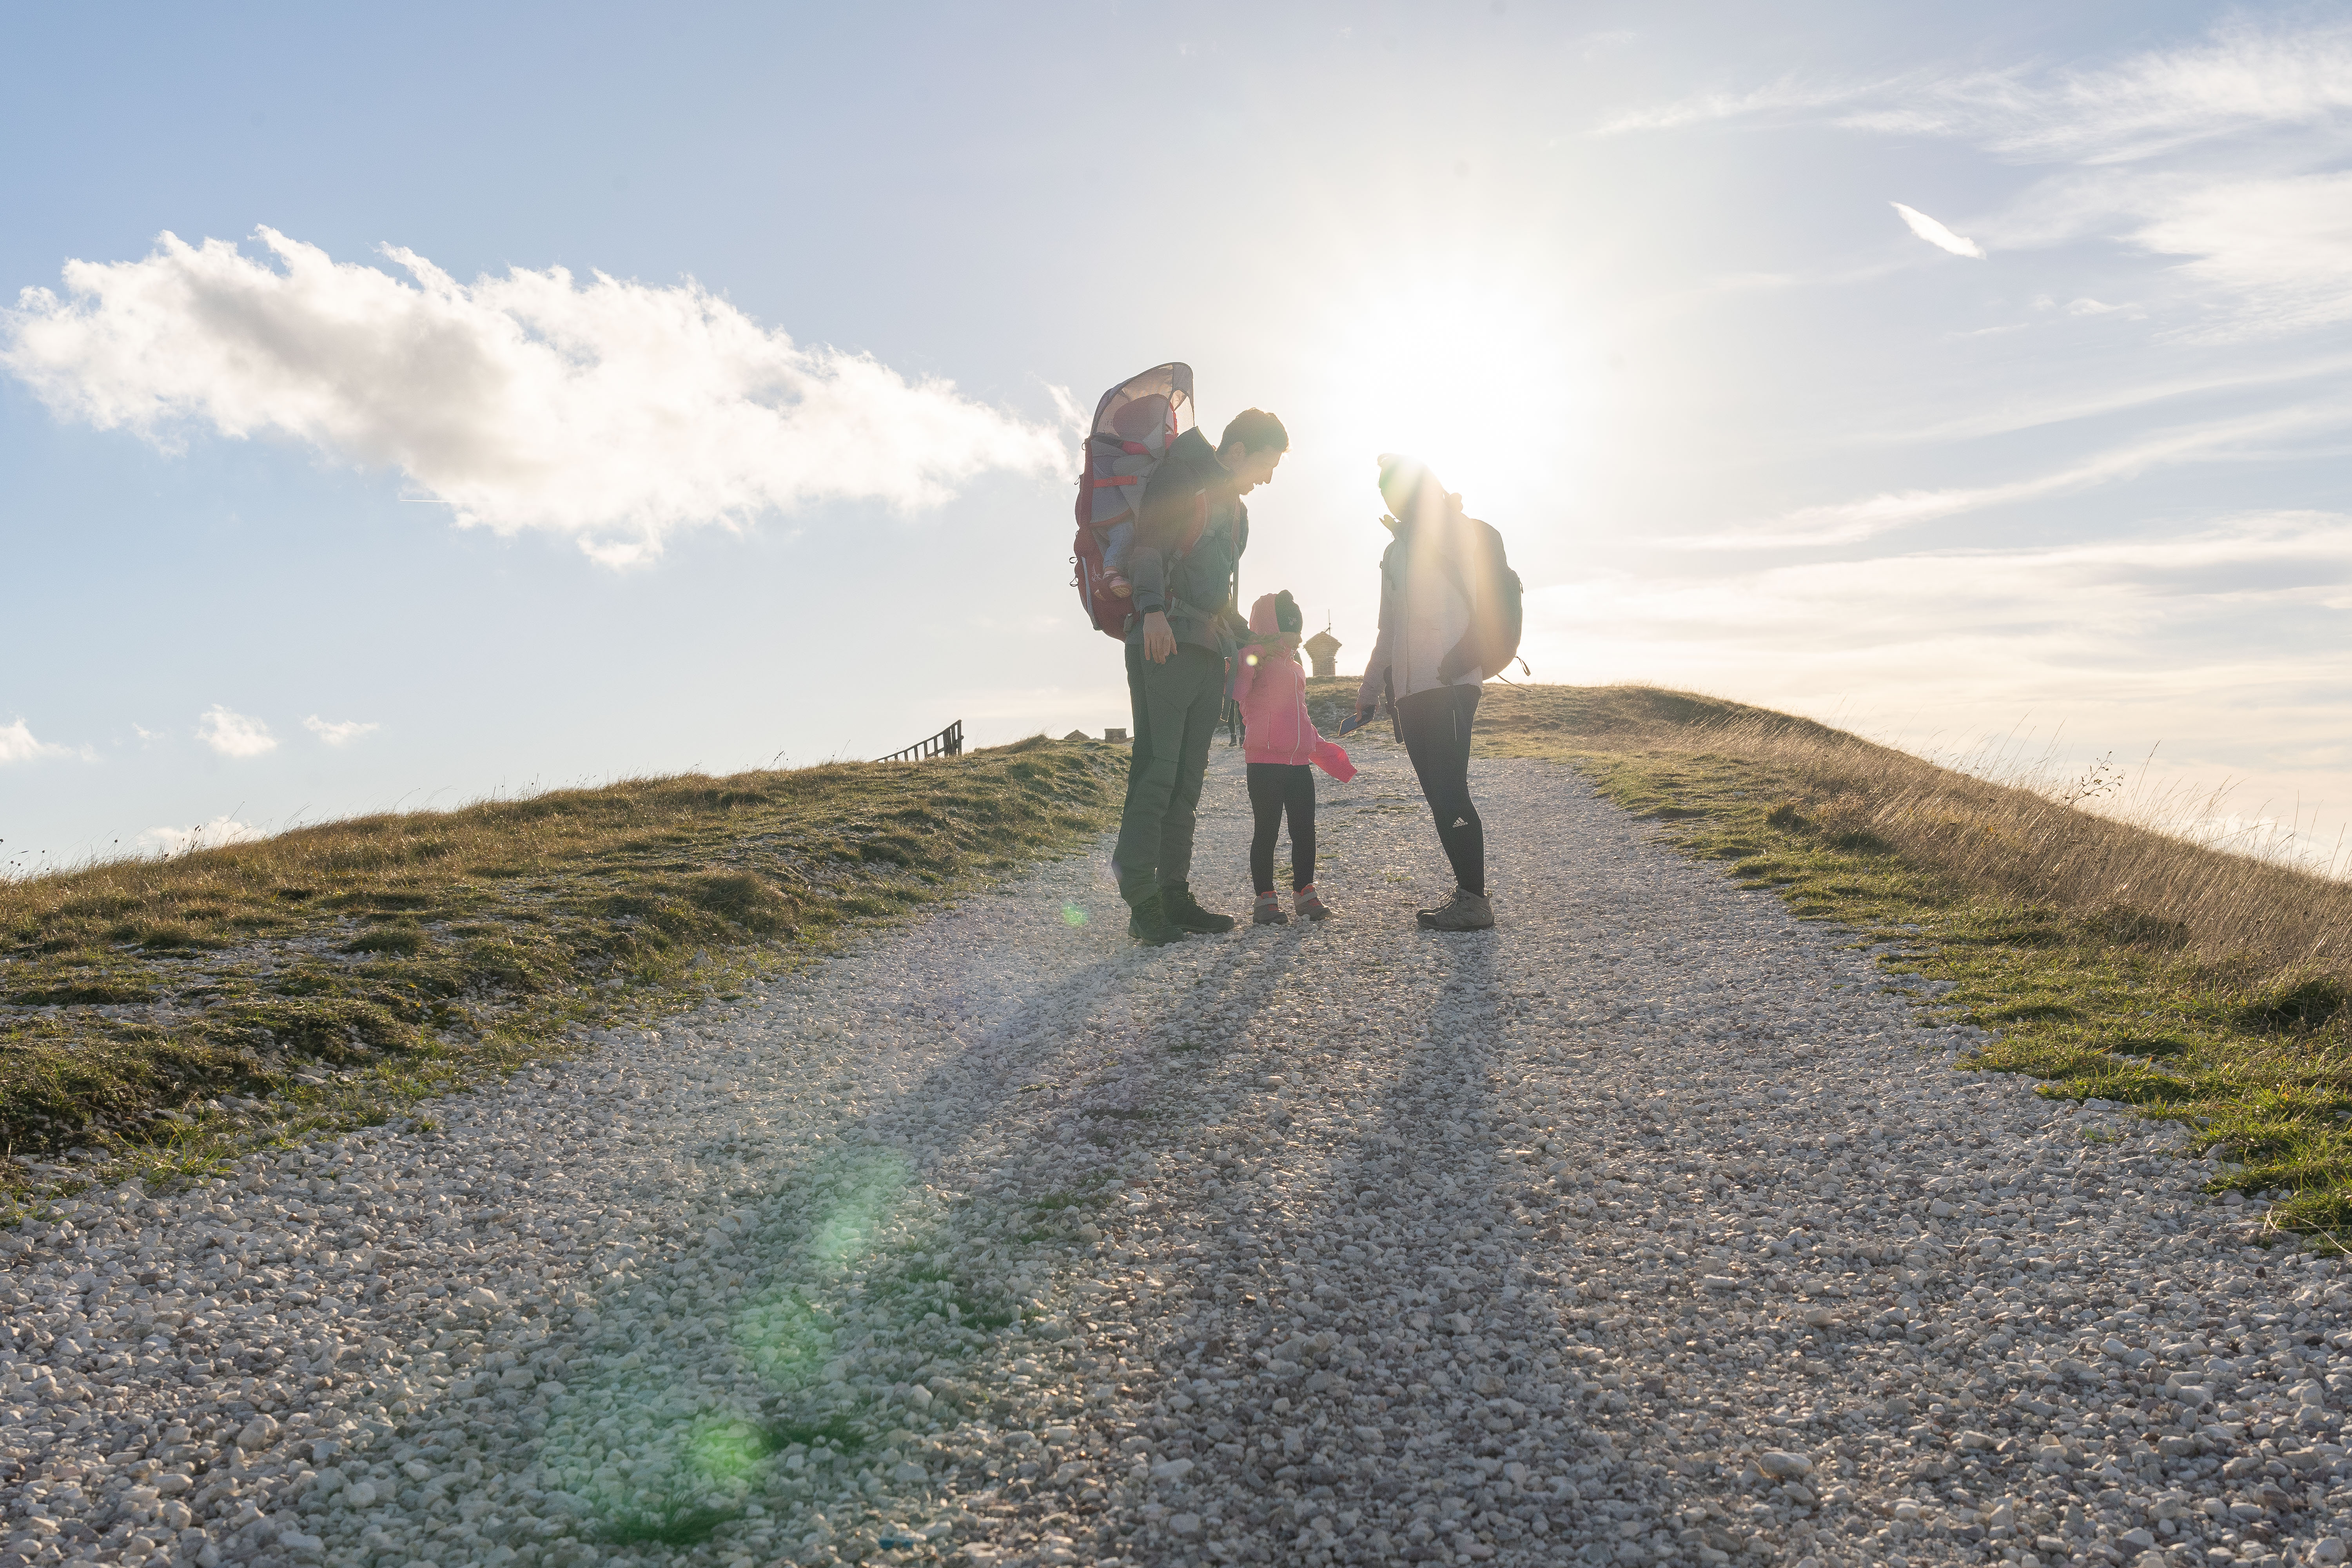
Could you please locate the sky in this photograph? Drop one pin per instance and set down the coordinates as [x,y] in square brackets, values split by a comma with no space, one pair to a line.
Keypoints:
[401,408]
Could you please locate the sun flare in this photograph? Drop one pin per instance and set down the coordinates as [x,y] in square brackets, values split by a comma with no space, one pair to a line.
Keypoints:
[1475,375]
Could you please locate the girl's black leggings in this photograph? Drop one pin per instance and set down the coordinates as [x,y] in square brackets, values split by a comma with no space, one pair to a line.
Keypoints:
[1436,729]
[1273,788]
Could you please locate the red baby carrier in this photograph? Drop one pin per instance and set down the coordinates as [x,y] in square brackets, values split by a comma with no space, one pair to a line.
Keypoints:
[1135,424]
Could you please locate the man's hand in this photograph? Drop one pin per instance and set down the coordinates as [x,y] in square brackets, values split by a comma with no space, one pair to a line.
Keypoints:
[1364,717]
[1159,642]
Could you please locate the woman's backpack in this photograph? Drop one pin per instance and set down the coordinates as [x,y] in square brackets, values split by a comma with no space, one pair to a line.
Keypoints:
[1483,571]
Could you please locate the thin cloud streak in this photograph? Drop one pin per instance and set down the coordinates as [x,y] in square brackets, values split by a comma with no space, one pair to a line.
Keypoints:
[2005,421]
[614,412]
[1847,522]
[2241,78]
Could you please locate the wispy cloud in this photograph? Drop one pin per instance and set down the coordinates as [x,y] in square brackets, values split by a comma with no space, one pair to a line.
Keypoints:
[234,734]
[615,412]
[2241,77]
[18,744]
[1937,235]
[338,733]
[1846,522]
[210,835]
[2278,252]
[2222,151]
[1789,96]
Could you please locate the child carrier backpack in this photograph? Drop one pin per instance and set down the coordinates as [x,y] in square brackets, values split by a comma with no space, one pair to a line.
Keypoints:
[1482,571]
[1137,423]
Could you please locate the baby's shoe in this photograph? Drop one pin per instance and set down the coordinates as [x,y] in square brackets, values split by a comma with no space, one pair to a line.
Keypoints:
[1310,905]
[1269,911]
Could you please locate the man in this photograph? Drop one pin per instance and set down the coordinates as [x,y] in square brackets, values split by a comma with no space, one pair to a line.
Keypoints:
[1423,665]
[1184,565]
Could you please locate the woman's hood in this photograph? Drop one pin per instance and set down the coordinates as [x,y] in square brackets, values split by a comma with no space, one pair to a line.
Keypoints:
[1262,619]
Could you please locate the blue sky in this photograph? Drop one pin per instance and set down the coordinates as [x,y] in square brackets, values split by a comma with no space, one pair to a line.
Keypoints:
[347,498]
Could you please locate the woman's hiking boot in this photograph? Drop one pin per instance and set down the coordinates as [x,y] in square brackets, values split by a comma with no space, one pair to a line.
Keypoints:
[1185,912]
[1269,911]
[1310,904]
[1147,922]
[1465,911]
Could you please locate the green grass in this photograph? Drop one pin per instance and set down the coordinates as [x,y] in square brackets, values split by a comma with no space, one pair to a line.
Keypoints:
[156,1015]
[687,1524]
[2249,1049]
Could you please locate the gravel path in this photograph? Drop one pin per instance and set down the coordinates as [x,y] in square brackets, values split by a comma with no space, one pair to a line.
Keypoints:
[1646,1228]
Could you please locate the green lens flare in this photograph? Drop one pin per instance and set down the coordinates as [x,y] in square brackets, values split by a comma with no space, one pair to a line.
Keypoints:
[726,1450]
[1073,916]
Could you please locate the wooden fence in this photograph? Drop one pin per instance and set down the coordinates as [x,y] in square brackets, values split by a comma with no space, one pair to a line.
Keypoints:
[947,743]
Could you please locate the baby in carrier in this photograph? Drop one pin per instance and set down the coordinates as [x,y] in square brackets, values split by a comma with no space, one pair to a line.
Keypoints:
[1280,743]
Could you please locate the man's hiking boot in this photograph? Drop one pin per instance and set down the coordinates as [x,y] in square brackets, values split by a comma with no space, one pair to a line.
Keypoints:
[1311,906]
[1269,911]
[1147,922]
[1465,911]
[1185,912]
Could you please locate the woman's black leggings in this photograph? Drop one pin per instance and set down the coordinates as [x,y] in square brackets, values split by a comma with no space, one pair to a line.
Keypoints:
[1436,726]
[1273,788]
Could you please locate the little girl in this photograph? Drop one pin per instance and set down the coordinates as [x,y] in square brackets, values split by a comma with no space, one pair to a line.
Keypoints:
[1279,740]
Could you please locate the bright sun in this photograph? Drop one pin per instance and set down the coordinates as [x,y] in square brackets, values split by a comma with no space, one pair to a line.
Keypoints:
[1474,374]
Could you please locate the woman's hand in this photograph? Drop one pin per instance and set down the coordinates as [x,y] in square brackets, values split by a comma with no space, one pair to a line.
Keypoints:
[1159,642]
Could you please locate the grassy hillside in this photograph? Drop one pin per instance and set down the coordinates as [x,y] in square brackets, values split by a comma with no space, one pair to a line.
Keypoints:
[2113,961]
[155,1013]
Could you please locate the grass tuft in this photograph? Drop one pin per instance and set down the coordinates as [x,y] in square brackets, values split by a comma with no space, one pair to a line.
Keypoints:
[688,1524]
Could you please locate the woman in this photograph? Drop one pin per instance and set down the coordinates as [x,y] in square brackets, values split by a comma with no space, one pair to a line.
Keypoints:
[1423,667]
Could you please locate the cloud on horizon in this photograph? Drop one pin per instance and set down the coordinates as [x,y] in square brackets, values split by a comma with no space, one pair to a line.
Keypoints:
[234,734]
[2131,641]
[338,733]
[18,744]
[614,412]
[210,835]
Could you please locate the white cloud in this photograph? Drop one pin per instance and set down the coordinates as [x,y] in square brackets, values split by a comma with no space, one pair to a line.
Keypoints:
[18,744]
[1937,235]
[614,412]
[210,835]
[337,733]
[234,734]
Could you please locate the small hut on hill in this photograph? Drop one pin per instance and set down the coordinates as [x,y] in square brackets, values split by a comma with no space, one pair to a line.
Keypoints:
[1323,648]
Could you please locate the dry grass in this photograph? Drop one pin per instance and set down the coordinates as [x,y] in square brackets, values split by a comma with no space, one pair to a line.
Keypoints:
[2113,960]
[155,1011]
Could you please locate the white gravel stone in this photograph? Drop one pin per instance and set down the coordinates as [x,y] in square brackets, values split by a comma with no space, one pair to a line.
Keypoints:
[1649,1228]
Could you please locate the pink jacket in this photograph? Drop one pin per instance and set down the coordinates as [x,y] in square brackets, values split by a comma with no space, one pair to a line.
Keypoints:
[1272,692]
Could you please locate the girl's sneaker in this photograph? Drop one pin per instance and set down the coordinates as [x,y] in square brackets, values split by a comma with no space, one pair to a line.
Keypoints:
[1311,906]
[1269,911]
